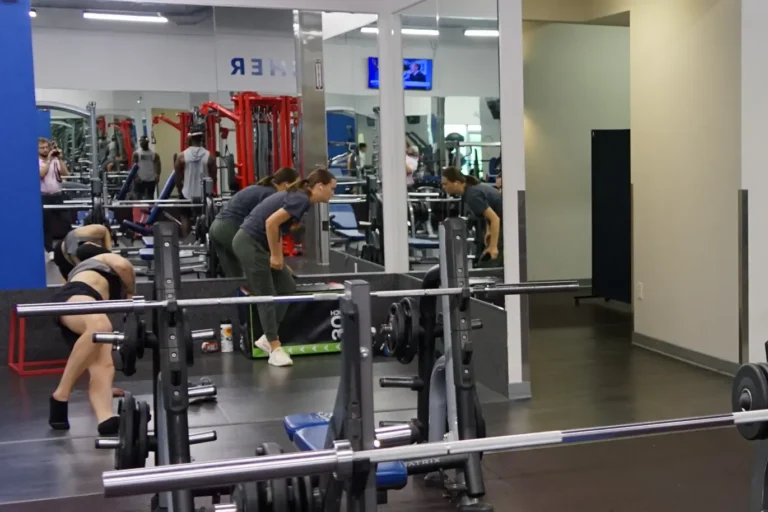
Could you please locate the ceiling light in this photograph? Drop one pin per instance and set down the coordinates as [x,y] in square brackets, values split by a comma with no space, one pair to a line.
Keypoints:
[420,32]
[405,31]
[475,32]
[141,18]
[33,13]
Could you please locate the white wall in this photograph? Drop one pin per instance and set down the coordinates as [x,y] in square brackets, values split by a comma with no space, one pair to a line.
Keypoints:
[754,112]
[576,80]
[686,170]
[181,59]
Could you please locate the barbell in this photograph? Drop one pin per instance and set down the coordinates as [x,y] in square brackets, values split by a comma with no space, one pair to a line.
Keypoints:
[139,304]
[341,460]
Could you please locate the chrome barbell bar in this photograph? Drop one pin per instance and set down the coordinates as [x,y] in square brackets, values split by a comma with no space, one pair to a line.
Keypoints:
[341,458]
[140,304]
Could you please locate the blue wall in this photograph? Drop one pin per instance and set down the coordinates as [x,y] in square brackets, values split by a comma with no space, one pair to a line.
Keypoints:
[44,124]
[338,127]
[22,260]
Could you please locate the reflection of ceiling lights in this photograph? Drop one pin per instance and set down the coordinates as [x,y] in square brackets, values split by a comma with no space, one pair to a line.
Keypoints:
[140,18]
[33,13]
[476,32]
[405,31]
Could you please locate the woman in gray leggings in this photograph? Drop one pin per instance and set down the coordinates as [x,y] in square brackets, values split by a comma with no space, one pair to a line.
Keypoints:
[259,250]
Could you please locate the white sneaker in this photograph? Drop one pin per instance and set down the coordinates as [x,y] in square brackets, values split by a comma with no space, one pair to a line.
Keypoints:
[279,357]
[263,344]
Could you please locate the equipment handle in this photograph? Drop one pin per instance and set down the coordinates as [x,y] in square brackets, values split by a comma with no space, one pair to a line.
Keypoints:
[203,335]
[112,338]
[202,391]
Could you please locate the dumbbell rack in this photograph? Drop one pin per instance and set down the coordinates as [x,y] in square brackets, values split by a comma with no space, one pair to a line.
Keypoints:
[172,353]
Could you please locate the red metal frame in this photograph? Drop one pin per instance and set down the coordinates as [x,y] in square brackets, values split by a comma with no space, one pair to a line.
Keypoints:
[183,125]
[285,114]
[19,365]
[126,128]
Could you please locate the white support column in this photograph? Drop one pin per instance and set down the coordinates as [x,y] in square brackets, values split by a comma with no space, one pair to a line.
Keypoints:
[513,151]
[392,143]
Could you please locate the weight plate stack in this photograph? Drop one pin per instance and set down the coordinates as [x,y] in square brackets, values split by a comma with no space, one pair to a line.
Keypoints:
[750,393]
[125,454]
[246,497]
[412,328]
[296,498]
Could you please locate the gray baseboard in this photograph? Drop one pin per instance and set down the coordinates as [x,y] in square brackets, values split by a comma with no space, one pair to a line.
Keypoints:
[685,355]
[519,391]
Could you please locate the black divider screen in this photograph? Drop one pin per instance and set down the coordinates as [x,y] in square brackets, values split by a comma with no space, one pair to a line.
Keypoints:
[611,215]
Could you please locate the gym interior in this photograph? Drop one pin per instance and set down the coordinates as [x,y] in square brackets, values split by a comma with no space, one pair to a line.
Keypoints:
[626,299]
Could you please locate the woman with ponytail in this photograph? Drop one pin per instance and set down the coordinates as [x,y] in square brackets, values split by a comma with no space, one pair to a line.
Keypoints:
[260,252]
[228,221]
[484,201]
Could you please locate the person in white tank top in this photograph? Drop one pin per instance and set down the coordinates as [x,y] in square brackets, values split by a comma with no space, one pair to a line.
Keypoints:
[190,168]
[148,175]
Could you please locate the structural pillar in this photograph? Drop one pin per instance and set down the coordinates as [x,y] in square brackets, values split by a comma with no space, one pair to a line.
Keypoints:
[313,143]
[513,195]
[392,147]
[24,266]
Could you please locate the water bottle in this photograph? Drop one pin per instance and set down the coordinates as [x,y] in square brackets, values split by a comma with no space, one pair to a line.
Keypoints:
[225,330]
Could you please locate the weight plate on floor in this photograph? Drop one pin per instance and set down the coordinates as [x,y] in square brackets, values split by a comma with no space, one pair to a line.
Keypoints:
[750,393]
[278,487]
[142,438]
[125,454]
[297,504]
[412,329]
[246,497]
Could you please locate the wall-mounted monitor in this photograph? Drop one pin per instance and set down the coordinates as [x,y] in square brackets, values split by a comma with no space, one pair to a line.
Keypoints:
[417,74]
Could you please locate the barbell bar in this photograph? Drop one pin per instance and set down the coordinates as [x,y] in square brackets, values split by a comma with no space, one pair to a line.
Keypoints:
[140,304]
[112,443]
[116,338]
[341,458]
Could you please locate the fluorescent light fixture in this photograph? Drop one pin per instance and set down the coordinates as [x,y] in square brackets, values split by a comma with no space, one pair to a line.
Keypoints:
[33,13]
[476,32]
[420,32]
[140,18]
[405,31]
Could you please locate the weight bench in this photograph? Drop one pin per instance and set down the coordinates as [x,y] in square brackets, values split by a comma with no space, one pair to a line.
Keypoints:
[344,223]
[423,243]
[308,433]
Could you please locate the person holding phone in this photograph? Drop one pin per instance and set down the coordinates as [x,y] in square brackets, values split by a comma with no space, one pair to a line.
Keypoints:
[52,168]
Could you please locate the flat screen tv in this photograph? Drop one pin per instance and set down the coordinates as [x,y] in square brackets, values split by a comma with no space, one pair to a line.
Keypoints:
[417,74]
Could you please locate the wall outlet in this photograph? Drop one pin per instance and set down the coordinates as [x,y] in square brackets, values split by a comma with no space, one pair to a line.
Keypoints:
[640,291]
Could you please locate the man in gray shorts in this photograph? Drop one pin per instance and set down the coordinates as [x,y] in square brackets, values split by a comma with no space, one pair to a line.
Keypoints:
[190,168]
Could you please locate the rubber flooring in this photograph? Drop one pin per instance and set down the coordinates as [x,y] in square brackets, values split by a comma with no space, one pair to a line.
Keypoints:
[585,373]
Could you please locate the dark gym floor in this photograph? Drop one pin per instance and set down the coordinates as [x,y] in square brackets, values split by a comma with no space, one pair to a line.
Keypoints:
[585,373]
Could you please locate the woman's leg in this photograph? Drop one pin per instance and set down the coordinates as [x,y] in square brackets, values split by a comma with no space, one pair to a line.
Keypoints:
[222,233]
[102,373]
[84,354]
[284,285]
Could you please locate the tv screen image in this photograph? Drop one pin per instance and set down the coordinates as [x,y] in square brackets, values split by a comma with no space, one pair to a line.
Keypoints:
[417,74]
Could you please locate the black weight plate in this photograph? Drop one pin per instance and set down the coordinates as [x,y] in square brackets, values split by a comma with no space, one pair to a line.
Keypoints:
[396,338]
[141,337]
[295,495]
[142,439]
[412,329]
[125,452]
[750,393]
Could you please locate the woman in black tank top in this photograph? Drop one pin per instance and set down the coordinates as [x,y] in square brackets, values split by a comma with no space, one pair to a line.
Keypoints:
[86,280]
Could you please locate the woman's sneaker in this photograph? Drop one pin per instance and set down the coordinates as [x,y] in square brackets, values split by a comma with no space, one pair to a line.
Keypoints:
[263,344]
[279,357]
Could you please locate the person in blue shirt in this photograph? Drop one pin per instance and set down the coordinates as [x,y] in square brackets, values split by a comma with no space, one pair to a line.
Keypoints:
[231,217]
[260,252]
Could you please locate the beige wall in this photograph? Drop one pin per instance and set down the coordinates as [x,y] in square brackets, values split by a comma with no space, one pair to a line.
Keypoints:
[576,80]
[166,142]
[686,168]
